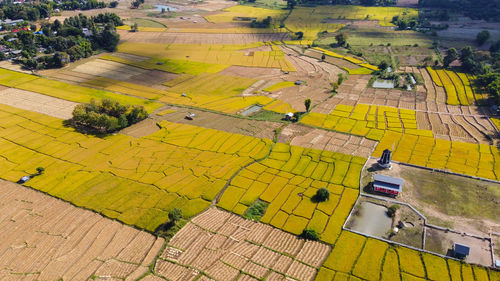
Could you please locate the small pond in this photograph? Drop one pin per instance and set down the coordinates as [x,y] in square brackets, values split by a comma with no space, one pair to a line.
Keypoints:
[384,84]
[167,8]
[252,109]
[372,220]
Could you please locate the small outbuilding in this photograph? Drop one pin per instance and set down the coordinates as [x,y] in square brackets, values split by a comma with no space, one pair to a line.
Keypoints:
[460,251]
[388,185]
[23,179]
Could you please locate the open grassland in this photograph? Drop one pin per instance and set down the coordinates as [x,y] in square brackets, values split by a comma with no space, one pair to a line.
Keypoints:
[396,129]
[47,239]
[364,37]
[218,54]
[456,85]
[288,179]
[136,181]
[218,245]
[480,160]
[321,14]
[66,91]
[365,120]
[355,257]
[233,13]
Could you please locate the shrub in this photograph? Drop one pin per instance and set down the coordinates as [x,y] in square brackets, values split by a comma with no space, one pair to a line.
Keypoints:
[106,116]
[391,211]
[307,104]
[174,215]
[309,234]
[321,195]
[40,170]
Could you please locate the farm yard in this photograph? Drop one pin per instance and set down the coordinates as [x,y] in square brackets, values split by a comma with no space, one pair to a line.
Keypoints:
[220,148]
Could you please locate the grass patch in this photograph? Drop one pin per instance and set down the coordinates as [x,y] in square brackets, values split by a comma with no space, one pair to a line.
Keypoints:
[454,195]
[256,211]
[266,115]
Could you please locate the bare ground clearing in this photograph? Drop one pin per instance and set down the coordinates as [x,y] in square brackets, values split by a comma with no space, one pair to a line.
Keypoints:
[254,128]
[44,238]
[441,242]
[37,102]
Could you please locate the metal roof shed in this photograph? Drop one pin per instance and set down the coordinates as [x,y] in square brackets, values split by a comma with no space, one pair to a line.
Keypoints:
[461,251]
[388,182]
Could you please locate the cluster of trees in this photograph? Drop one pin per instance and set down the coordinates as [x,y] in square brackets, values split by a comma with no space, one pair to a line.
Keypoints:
[404,22]
[378,2]
[265,23]
[485,65]
[81,5]
[106,116]
[61,43]
[43,9]
[31,12]
[476,9]
[136,3]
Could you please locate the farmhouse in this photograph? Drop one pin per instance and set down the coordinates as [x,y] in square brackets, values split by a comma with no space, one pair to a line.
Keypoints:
[387,185]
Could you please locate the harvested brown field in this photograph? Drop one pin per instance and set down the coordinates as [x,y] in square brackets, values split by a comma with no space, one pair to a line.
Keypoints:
[37,102]
[47,239]
[326,140]
[227,247]
[109,69]
[152,78]
[198,38]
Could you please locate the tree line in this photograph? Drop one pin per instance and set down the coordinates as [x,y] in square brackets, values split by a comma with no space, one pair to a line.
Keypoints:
[59,43]
[44,9]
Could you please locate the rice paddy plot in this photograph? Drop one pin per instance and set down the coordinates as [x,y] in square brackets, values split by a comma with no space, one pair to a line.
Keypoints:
[355,257]
[169,65]
[310,21]
[219,54]
[365,120]
[479,160]
[350,12]
[365,68]
[66,91]
[135,180]
[288,180]
[456,85]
